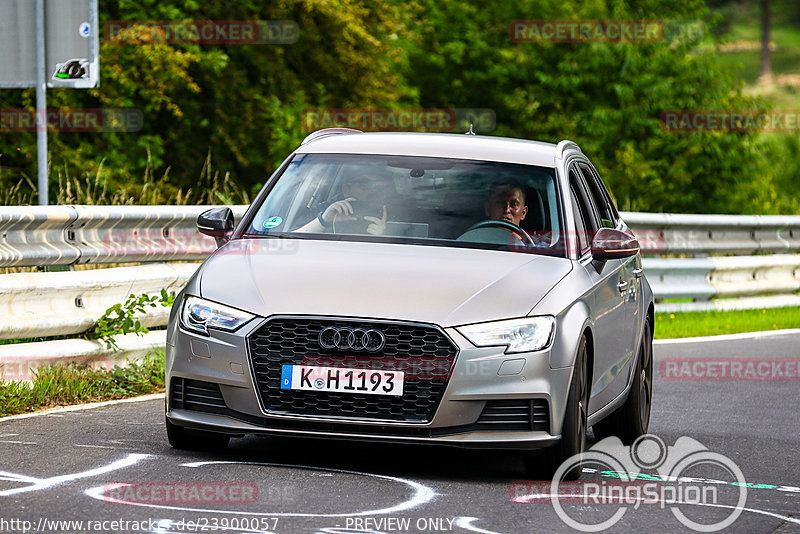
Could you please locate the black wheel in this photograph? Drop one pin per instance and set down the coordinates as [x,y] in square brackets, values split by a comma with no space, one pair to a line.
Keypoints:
[194,440]
[632,419]
[573,431]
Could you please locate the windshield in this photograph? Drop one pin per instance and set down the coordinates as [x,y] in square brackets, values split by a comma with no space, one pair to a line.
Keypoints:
[414,200]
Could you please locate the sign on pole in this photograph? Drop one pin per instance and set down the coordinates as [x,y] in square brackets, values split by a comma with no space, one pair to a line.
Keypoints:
[72,44]
[48,43]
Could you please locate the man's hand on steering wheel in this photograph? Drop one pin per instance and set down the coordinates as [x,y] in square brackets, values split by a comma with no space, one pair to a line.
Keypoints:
[521,234]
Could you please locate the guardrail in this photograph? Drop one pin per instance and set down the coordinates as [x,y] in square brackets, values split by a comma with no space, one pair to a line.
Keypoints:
[58,304]
[670,233]
[707,277]
[67,303]
[725,282]
[20,361]
[71,235]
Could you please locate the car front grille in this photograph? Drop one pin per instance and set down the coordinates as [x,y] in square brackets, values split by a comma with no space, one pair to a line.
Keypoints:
[423,352]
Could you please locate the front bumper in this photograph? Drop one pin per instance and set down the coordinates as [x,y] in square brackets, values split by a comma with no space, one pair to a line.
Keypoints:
[484,387]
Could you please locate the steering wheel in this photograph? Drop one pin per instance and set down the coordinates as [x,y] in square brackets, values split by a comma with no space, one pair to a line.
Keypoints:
[521,234]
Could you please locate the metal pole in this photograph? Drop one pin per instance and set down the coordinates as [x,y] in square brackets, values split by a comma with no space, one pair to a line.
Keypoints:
[41,105]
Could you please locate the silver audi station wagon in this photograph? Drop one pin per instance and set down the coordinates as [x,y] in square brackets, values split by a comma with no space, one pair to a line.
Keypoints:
[420,288]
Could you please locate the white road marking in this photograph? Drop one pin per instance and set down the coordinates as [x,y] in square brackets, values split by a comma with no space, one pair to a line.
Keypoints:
[56,412]
[19,442]
[466,524]
[4,475]
[421,494]
[45,483]
[96,446]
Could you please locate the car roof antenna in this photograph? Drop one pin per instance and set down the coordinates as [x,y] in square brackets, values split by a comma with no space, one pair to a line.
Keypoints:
[470,132]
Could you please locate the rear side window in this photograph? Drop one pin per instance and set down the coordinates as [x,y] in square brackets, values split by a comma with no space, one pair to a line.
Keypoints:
[584,220]
[602,200]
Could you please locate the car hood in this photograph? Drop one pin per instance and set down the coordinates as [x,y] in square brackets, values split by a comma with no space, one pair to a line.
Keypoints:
[440,285]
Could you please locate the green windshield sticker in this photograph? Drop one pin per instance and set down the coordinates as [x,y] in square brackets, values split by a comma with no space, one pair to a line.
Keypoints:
[272,222]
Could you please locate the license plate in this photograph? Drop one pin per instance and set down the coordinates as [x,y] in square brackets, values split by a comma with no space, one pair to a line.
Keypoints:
[342,380]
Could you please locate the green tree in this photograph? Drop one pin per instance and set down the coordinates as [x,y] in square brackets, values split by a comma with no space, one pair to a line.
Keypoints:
[243,103]
[608,97]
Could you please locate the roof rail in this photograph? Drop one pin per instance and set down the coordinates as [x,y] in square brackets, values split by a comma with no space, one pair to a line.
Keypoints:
[565,145]
[325,132]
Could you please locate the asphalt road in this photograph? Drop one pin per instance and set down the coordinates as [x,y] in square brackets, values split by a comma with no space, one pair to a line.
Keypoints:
[112,469]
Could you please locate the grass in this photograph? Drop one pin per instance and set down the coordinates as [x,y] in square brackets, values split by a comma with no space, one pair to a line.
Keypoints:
[62,385]
[711,323]
[784,92]
[99,188]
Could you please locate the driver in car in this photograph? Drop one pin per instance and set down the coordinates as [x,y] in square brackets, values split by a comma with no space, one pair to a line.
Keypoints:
[363,188]
[506,202]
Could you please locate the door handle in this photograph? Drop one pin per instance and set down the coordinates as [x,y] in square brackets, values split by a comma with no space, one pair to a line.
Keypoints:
[622,286]
[638,272]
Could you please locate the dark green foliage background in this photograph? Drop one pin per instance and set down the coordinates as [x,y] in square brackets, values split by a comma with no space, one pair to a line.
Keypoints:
[243,104]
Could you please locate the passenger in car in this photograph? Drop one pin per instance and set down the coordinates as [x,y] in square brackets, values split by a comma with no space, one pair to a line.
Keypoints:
[364,192]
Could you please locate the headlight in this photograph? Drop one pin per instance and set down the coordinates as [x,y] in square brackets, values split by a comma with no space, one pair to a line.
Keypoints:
[198,315]
[518,335]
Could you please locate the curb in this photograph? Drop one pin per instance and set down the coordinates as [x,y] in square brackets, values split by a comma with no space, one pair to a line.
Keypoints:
[728,337]
[78,407]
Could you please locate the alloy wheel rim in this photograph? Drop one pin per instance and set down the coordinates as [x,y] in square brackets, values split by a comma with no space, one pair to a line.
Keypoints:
[582,402]
[645,381]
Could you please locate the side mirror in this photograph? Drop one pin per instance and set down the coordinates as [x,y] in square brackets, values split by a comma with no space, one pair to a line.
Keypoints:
[610,244]
[218,223]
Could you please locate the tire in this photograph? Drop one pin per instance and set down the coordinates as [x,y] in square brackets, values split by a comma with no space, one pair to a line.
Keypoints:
[573,431]
[194,440]
[632,419]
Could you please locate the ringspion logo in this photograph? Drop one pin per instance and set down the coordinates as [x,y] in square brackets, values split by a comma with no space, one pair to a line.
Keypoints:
[684,477]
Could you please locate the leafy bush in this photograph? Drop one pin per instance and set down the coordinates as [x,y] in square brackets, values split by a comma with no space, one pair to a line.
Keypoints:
[121,317]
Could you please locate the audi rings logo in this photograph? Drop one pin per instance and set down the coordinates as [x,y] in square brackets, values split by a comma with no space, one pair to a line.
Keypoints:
[358,339]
